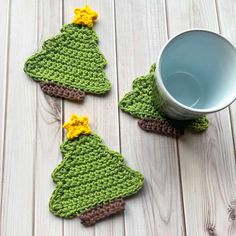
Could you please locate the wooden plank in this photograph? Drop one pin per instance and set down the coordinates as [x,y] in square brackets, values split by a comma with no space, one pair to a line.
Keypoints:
[4,32]
[157,210]
[102,110]
[20,138]
[227,23]
[49,132]
[207,161]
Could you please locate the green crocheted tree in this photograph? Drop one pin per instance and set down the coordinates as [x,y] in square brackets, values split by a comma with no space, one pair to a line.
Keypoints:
[92,180]
[70,63]
[143,102]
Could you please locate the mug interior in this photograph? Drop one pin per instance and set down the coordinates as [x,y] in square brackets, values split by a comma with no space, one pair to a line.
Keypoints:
[198,69]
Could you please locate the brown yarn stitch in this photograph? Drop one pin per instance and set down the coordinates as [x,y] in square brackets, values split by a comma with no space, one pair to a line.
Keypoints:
[161,127]
[62,91]
[90,217]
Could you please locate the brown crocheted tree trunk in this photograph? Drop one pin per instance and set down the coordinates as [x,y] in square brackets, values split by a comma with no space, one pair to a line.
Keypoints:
[93,215]
[161,127]
[62,91]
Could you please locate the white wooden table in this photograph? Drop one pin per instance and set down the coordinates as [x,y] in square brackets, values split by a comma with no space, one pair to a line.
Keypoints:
[190,184]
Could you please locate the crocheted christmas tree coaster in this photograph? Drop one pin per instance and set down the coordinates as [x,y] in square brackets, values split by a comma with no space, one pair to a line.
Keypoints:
[92,180]
[70,63]
[142,103]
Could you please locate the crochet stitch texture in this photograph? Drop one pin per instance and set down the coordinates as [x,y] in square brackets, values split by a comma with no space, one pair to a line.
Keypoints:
[98,213]
[142,103]
[76,126]
[85,16]
[71,59]
[56,90]
[91,176]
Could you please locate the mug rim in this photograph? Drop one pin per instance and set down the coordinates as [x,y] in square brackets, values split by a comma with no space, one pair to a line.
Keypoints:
[196,110]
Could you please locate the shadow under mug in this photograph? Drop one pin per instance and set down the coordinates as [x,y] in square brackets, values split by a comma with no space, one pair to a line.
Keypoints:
[196,74]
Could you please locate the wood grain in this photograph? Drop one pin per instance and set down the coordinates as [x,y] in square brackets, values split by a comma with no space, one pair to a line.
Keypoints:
[227,24]
[207,161]
[4,32]
[102,110]
[20,126]
[131,34]
[49,132]
[157,210]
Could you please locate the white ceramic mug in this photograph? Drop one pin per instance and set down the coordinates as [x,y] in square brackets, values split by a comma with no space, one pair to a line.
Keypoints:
[196,74]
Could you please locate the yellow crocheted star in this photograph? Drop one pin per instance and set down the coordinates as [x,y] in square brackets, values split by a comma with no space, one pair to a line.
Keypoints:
[76,126]
[85,16]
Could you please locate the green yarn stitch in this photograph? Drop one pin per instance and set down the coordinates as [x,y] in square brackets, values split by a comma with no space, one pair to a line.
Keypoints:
[90,175]
[141,103]
[198,125]
[71,59]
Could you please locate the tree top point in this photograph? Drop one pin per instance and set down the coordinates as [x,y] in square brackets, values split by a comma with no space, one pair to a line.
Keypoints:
[76,126]
[85,16]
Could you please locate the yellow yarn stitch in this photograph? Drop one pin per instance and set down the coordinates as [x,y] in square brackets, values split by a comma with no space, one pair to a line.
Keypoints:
[76,126]
[85,16]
